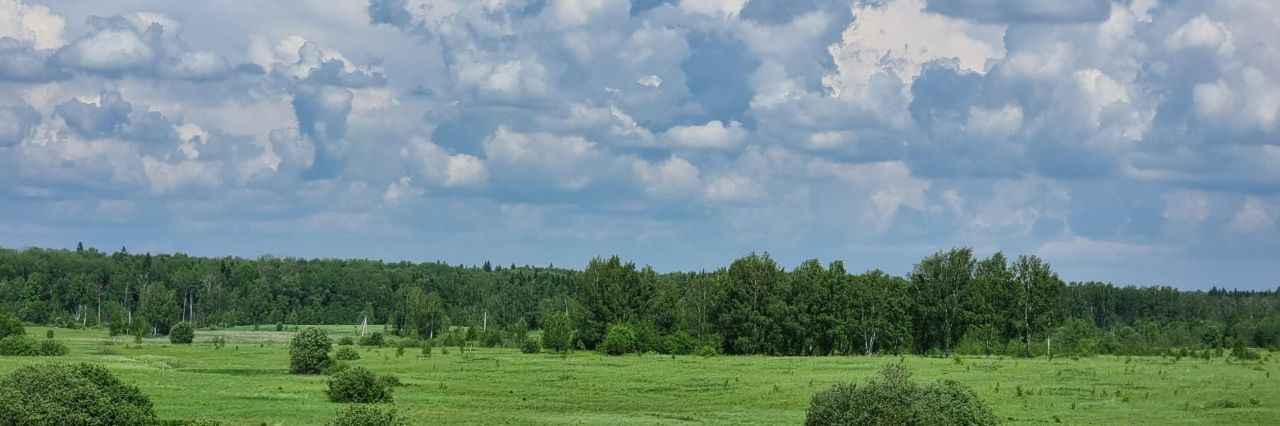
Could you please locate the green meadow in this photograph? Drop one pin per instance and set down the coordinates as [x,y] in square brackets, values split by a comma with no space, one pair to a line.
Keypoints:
[247,382]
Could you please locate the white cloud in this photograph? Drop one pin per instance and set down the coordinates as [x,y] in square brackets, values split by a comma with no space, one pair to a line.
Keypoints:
[998,122]
[1202,32]
[671,177]
[718,8]
[568,160]
[401,189]
[437,165]
[35,23]
[1077,247]
[1183,210]
[887,186]
[109,50]
[713,135]
[733,188]
[1255,217]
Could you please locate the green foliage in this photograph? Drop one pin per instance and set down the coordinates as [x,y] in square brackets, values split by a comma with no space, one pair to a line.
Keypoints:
[19,345]
[372,339]
[182,333]
[309,351]
[556,333]
[620,340]
[491,338]
[1241,352]
[50,347]
[426,348]
[894,399]
[472,334]
[531,346]
[346,353]
[279,326]
[358,385]
[346,341]
[70,394]
[10,327]
[48,334]
[753,290]
[681,343]
[367,415]
[158,308]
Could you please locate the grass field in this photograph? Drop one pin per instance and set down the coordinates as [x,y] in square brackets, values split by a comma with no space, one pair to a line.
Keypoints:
[247,382]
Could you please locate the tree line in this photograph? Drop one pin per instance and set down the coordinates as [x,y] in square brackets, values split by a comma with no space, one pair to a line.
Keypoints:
[951,302]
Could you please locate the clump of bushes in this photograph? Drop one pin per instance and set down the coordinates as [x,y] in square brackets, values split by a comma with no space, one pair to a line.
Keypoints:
[11,327]
[358,384]
[621,339]
[309,352]
[346,341]
[367,415]
[894,399]
[279,326]
[372,339]
[531,346]
[346,353]
[182,333]
[557,333]
[79,394]
[51,347]
[19,345]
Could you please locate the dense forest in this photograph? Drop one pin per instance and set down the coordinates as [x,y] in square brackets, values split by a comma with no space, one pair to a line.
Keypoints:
[951,302]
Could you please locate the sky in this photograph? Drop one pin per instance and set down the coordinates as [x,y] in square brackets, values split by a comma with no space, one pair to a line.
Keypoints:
[1128,141]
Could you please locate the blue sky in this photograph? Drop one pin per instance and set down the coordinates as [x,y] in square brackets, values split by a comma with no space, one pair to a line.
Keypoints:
[1126,141]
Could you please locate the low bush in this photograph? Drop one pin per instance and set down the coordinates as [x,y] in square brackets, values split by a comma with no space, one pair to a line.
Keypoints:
[19,345]
[372,339]
[70,394]
[491,338]
[309,351]
[346,353]
[279,326]
[531,346]
[10,327]
[358,384]
[182,333]
[426,348]
[346,341]
[50,347]
[367,415]
[621,339]
[893,399]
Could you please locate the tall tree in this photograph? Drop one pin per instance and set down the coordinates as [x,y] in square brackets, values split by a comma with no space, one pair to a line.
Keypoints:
[990,304]
[158,306]
[1037,293]
[879,308]
[940,284]
[751,290]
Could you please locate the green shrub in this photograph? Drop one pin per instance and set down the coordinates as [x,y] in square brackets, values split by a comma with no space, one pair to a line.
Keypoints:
[426,348]
[346,353]
[391,380]
[707,350]
[491,338]
[182,333]
[218,342]
[367,415]
[681,343]
[372,339]
[621,339]
[557,334]
[48,334]
[70,394]
[346,341]
[279,326]
[11,327]
[50,347]
[309,352]
[531,346]
[19,345]
[893,399]
[358,384]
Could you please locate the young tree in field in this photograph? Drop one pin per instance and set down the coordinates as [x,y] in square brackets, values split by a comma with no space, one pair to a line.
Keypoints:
[751,292]
[1036,293]
[557,333]
[309,351]
[941,282]
[879,308]
[990,304]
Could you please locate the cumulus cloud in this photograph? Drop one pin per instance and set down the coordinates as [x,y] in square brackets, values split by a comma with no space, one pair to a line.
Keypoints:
[1255,217]
[1024,10]
[32,22]
[569,161]
[148,44]
[712,135]
[672,177]
[16,122]
[437,165]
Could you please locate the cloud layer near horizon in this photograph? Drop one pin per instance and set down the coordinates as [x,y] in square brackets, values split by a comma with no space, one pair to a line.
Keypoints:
[1132,141]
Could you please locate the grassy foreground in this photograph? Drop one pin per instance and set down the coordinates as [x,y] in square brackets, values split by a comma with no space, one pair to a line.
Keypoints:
[247,382]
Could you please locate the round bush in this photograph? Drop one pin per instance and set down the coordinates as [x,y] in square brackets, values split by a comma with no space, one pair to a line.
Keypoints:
[182,333]
[531,346]
[70,394]
[11,327]
[372,339]
[346,341]
[52,348]
[367,415]
[19,345]
[621,339]
[893,399]
[346,353]
[279,326]
[309,352]
[358,384]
